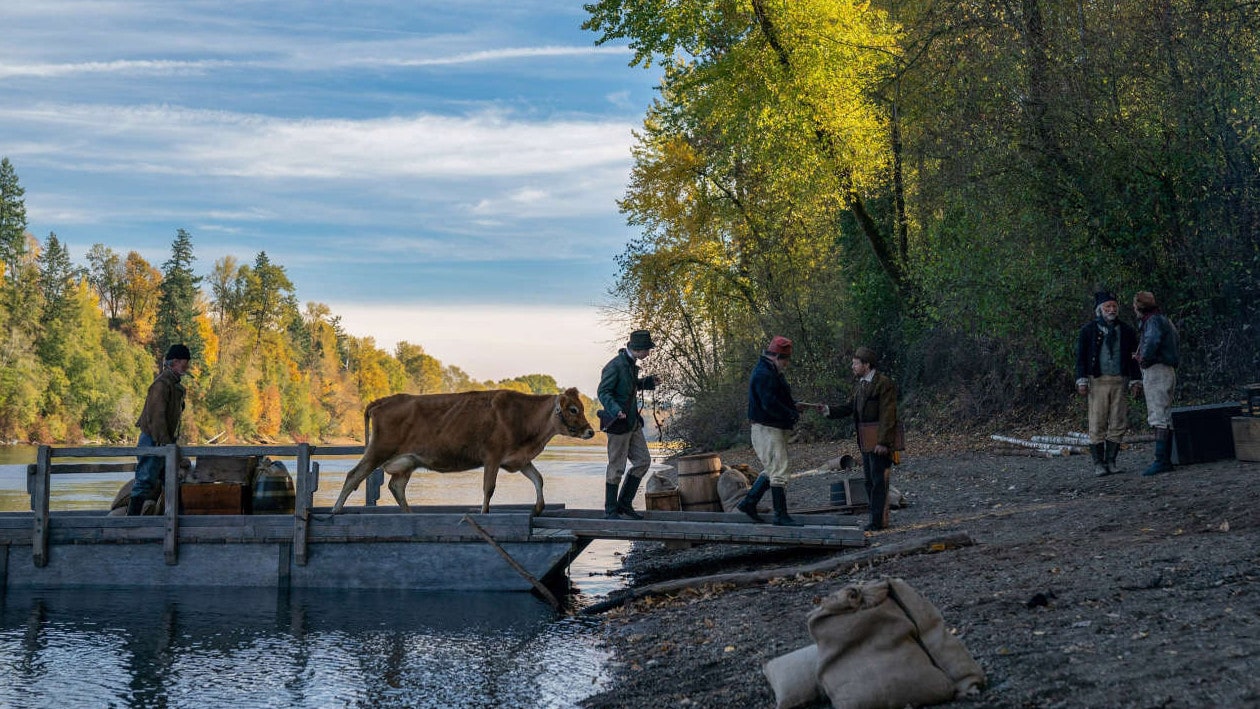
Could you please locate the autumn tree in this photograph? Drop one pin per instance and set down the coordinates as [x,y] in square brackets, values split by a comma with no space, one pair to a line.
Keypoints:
[177,299]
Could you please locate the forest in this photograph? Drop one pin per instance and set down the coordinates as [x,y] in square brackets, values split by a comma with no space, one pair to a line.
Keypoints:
[82,343]
[946,182]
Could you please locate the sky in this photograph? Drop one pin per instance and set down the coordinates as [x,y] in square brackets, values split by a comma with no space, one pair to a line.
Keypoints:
[444,173]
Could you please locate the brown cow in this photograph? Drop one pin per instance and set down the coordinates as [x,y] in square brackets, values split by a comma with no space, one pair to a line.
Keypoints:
[448,433]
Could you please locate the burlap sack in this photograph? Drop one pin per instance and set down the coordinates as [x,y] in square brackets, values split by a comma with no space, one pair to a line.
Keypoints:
[794,678]
[883,646]
[732,486]
[663,480]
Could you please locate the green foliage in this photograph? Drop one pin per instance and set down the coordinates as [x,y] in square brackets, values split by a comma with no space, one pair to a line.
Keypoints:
[177,309]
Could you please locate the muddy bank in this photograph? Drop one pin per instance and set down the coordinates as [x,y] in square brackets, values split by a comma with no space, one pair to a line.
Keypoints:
[1079,591]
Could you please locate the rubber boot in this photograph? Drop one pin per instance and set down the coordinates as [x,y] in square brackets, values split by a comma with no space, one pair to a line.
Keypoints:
[1163,453]
[1100,461]
[781,518]
[135,505]
[1111,450]
[610,500]
[748,505]
[629,487]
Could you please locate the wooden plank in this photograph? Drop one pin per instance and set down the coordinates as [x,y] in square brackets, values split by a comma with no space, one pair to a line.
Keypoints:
[444,509]
[338,450]
[39,506]
[170,546]
[409,527]
[828,520]
[744,533]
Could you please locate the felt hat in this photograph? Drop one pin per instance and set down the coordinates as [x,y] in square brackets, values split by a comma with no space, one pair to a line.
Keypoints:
[641,340]
[866,355]
[177,352]
[780,346]
[1103,296]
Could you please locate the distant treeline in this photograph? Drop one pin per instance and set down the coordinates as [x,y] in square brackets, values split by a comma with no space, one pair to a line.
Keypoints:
[948,183]
[80,346]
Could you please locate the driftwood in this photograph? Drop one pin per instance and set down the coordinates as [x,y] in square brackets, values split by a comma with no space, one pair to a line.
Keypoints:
[1026,452]
[1028,444]
[747,578]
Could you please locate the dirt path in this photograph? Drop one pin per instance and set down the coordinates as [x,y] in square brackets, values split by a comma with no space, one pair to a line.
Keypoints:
[1153,587]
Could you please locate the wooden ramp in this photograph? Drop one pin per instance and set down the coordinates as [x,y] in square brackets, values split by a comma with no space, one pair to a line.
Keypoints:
[834,531]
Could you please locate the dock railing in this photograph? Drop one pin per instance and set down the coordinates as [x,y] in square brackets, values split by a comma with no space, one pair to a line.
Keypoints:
[306,483]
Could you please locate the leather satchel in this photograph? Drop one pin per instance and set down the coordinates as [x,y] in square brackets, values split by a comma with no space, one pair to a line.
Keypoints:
[868,436]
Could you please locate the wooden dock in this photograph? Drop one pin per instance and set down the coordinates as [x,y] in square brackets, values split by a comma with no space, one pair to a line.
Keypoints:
[433,548]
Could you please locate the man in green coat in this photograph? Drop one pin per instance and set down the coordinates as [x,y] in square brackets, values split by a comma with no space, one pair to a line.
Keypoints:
[159,425]
[621,421]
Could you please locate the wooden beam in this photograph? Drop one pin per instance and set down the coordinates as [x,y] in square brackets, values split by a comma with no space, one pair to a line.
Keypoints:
[170,545]
[39,506]
[307,483]
[538,586]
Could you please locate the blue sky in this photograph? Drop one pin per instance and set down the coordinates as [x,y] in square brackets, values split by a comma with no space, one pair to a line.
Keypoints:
[443,173]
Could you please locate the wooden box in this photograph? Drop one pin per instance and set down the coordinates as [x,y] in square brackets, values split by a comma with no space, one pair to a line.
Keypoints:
[212,499]
[849,491]
[1202,434]
[669,501]
[1247,438]
[223,469]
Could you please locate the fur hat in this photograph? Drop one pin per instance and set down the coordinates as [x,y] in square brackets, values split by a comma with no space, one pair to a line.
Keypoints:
[1103,296]
[781,346]
[1144,301]
[641,340]
[177,352]
[866,355]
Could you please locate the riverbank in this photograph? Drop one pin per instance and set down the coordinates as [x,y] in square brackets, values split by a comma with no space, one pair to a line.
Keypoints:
[1078,591]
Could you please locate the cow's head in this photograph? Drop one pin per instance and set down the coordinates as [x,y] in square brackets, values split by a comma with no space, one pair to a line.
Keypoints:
[572,415]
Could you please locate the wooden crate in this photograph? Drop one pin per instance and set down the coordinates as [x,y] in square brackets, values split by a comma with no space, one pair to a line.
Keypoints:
[212,499]
[669,501]
[223,469]
[1246,438]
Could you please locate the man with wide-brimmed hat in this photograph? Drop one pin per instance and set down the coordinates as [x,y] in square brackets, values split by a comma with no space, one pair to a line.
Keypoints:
[1158,354]
[873,402]
[620,420]
[1105,368]
[159,425]
[773,413]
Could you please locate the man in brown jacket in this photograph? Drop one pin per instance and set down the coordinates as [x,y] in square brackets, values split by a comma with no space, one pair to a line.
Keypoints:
[874,401]
[159,425]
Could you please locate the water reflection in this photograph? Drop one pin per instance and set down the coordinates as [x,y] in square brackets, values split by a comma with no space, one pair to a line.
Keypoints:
[302,649]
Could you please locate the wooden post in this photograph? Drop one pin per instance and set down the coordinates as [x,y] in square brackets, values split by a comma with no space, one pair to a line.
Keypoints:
[171,543]
[307,483]
[538,585]
[39,505]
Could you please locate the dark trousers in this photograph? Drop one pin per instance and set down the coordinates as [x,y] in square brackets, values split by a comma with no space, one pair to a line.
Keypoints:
[876,468]
[149,470]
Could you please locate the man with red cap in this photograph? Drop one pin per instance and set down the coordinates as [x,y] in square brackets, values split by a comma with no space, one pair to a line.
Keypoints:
[773,412]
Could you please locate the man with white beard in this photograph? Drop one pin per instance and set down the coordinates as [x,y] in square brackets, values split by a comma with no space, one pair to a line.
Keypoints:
[1105,367]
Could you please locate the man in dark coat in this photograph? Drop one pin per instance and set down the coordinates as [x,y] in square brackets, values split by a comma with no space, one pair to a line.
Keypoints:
[773,413]
[874,401]
[621,421]
[159,425]
[1105,368]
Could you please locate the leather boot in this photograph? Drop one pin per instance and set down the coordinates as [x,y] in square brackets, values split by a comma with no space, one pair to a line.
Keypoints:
[748,505]
[610,500]
[1099,455]
[135,506]
[629,487]
[1110,451]
[781,518]
[1163,453]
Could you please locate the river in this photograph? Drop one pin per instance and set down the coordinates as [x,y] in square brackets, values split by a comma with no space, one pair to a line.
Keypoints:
[261,648]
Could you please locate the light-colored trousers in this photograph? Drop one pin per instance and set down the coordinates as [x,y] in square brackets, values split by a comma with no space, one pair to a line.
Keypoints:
[630,446]
[1158,382]
[770,445]
[1108,408]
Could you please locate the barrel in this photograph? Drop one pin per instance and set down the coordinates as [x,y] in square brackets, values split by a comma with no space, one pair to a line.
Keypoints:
[697,482]
[273,490]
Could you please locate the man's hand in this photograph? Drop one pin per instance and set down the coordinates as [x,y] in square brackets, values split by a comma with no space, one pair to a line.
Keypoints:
[881,450]
[620,415]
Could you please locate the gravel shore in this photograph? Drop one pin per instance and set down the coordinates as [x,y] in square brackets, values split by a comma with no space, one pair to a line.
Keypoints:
[1078,591]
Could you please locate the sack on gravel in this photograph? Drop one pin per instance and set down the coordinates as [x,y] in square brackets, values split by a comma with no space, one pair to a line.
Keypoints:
[732,486]
[881,645]
[794,678]
[664,480]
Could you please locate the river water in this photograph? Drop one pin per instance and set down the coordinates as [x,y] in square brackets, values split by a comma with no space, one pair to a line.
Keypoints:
[261,648]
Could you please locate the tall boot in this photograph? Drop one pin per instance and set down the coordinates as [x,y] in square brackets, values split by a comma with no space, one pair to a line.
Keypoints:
[1163,453]
[748,505]
[1097,452]
[629,487]
[781,518]
[135,506]
[1111,450]
[610,500]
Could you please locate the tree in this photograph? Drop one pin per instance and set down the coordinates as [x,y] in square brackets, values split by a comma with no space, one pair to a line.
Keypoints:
[57,276]
[107,276]
[12,221]
[264,291]
[141,293]
[177,298]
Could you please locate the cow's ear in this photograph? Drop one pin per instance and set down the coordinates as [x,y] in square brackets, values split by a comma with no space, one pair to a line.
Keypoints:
[571,392]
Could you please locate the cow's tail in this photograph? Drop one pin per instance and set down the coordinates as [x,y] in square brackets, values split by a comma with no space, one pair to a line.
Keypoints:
[367,422]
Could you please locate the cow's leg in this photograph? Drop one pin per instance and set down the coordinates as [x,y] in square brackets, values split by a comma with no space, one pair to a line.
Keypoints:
[400,470]
[529,471]
[489,477]
[355,478]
